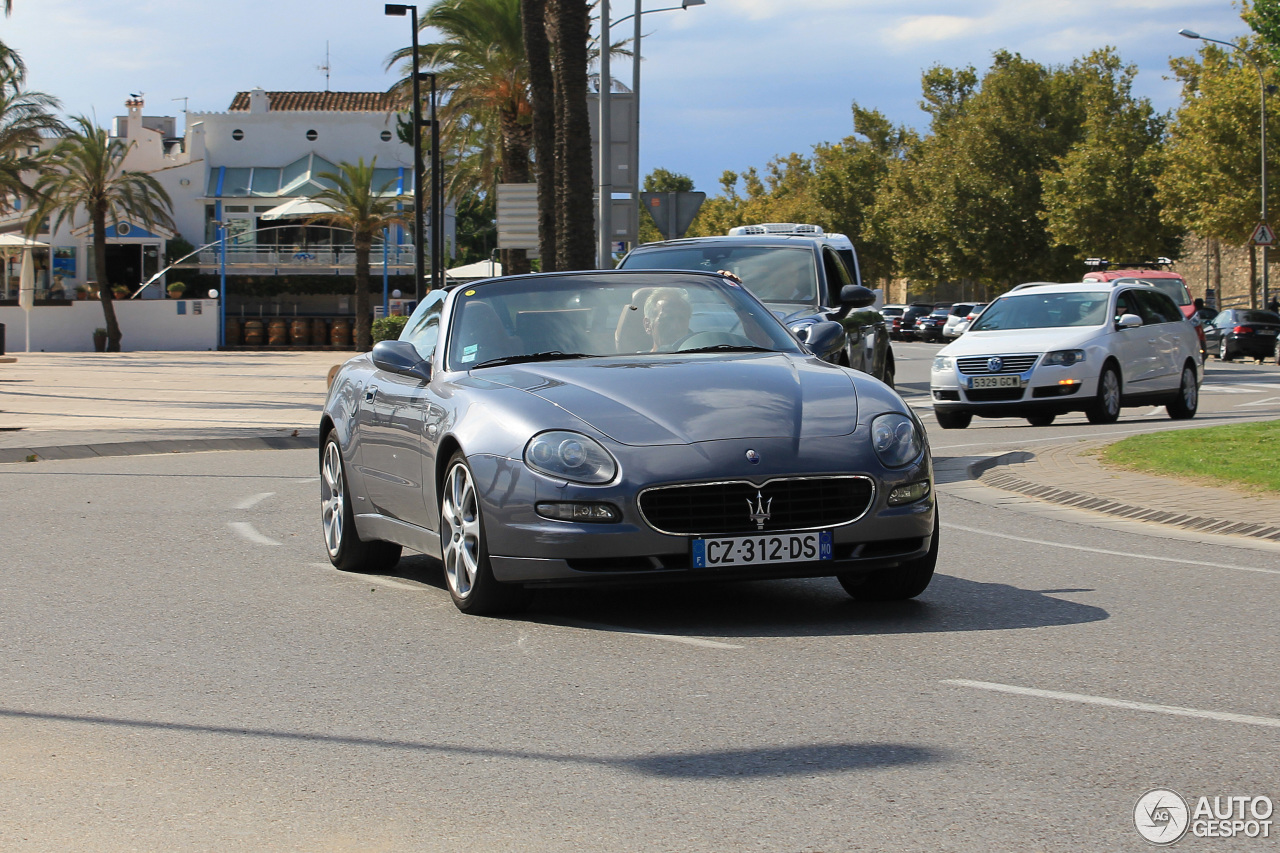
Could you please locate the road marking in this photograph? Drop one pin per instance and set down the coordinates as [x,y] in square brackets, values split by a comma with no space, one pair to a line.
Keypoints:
[1171,710]
[1158,410]
[248,531]
[254,500]
[670,638]
[1259,402]
[1109,553]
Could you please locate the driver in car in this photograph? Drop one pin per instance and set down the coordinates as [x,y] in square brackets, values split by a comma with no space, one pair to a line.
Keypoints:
[666,318]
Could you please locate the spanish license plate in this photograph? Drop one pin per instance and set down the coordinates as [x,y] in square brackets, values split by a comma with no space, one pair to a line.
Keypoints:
[762,549]
[1266,331]
[995,382]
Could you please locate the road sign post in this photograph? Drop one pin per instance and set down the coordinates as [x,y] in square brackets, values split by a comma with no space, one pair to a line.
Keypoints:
[1263,235]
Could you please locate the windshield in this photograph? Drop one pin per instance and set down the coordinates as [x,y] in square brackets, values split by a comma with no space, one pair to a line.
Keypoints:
[544,318]
[1174,288]
[1043,311]
[772,273]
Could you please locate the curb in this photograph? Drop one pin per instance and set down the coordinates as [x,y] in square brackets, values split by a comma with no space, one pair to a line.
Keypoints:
[985,471]
[303,441]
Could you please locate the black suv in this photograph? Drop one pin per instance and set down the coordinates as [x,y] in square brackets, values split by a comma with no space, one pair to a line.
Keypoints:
[799,278]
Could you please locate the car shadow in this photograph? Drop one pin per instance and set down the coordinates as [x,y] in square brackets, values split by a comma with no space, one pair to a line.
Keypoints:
[811,607]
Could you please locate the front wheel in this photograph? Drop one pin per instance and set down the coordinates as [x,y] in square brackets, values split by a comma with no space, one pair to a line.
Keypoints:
[465,551]
[347,551]
[888,372]
[903,581]
[953,420]
[1105,409]
[1185,404]
[1224,354]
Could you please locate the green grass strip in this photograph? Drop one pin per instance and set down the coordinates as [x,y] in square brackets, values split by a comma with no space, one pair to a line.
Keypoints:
[1239,455]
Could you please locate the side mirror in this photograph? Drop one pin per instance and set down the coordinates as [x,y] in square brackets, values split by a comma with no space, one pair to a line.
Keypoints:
[824,337]
[1128,321]
[856,296]
[401,357]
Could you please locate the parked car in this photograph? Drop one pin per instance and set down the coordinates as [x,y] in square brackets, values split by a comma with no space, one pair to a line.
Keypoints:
[929,326]
[962,313]
[914,312]
[516,432]
[804,278]
[892,315]
[1242,332]
[1037,352]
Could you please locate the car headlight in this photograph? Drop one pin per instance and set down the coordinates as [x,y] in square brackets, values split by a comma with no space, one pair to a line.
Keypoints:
[1064,357]
[943,362]
[896,439]
[571,456]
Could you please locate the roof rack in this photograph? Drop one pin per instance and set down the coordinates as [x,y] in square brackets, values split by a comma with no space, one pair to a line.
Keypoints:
[1103,265]
[776,228]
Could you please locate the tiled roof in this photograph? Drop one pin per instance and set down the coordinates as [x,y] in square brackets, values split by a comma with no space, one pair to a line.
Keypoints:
[366,102]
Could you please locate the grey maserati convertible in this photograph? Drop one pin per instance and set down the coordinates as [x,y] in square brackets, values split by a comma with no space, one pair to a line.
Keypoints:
[621,427]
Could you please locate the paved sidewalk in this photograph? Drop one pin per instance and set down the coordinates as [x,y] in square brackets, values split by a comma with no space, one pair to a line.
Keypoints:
[64,405]
[1070,474]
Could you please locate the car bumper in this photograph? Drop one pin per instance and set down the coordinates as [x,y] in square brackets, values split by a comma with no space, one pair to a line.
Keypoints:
[1041,390]
[527,548]
[1252,346]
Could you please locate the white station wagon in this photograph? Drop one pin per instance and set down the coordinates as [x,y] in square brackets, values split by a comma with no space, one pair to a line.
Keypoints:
[1043,349]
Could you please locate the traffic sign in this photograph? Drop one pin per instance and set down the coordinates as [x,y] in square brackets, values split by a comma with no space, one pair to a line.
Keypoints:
[1263,235]
[673,213]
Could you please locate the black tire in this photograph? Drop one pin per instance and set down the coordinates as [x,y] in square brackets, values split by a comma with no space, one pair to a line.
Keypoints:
[888,377]
[1105,409]
[906,580]
[953,420]
[1224,352]
[1040,420]
[464,549]
[1188,399]
[347,551]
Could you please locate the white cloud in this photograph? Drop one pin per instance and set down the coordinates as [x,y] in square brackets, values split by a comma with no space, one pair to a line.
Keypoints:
[932,28]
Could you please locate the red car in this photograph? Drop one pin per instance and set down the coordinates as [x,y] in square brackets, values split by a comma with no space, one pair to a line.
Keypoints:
[1162,279]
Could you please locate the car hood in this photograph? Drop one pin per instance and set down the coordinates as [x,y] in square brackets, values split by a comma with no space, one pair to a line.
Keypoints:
[1020,341]
[701,397]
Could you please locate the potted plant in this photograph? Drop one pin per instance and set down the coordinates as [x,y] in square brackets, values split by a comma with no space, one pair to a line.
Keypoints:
[99,339]
[82,292]
[121,291]
[176,289]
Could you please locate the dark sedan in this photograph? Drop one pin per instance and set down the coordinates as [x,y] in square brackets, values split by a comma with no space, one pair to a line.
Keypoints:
[929,326]
[1243,332]
[803,282]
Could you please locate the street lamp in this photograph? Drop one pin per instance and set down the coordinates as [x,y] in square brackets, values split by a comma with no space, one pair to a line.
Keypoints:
[605,208]
[1262,86]
[399,10]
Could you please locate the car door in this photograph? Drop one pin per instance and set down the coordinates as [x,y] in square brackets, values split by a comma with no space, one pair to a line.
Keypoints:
[1214,330]
[393,424]
[1168,326]
[859,333]
[1137,348]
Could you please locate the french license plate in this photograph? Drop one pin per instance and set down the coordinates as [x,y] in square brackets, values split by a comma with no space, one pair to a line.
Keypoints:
[762,549]
[995,382]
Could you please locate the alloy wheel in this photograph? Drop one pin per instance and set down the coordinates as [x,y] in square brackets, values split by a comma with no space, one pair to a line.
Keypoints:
[1111,393]
[460,530]
[332,498]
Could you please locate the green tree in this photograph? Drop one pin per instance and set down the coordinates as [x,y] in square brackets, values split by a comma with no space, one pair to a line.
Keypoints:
[366,211]
[25,118]
[1263,16]
[1101,199]
[661,181]
[85,171]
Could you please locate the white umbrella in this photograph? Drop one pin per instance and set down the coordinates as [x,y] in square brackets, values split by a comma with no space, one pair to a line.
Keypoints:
[17,241]
[298,207]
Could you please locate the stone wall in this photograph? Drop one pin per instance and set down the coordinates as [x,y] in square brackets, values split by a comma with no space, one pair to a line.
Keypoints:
[1200,268]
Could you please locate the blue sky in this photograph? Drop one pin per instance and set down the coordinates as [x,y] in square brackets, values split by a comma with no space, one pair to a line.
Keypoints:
[727,85]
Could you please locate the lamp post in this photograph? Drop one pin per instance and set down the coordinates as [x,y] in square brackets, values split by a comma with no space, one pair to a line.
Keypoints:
[1262,86]
[605,208]
[399,10]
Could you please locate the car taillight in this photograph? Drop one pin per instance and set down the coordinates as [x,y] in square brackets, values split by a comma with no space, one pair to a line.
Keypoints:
[1243,330]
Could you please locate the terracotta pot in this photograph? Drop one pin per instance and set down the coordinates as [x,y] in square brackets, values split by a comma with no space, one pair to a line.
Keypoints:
[300,332]
[277,333]
[253,333]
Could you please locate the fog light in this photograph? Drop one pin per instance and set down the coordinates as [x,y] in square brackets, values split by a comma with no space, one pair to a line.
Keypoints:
[909,493]
[598,513]
[1068,381]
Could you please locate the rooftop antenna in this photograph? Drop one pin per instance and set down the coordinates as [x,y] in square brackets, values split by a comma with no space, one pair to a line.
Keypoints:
[184,103]
[325,67]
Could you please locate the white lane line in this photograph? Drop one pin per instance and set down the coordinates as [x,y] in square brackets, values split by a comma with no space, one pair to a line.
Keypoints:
[1171,710]
[1158,410]
[670,638]
[1109,553]
[1265,402]
[253,500]
[248,531]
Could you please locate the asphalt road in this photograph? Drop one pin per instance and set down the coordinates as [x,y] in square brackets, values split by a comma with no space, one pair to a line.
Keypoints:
[182,670]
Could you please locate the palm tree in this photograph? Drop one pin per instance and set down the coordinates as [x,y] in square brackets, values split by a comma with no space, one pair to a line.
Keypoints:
[85,171]
[569,30]
[25,119]
[366,212]
[542,99]
[480,66]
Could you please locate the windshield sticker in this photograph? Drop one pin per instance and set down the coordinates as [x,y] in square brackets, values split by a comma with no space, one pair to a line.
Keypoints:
[469,293]
[469,352]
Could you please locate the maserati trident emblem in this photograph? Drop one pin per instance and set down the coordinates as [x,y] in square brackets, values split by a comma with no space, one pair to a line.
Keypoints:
[995,363]
[753,457]
[759,512]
